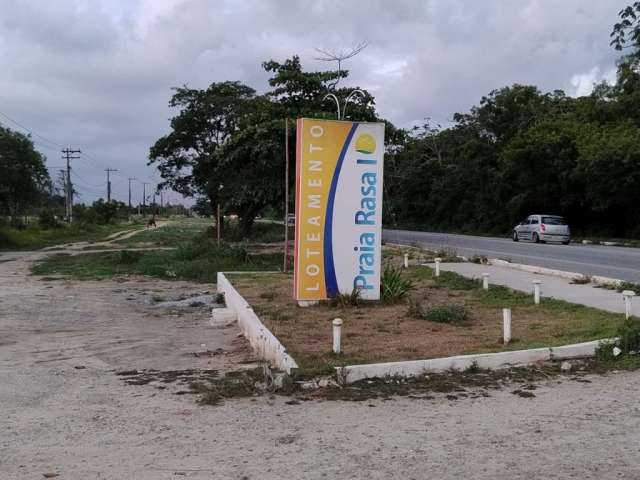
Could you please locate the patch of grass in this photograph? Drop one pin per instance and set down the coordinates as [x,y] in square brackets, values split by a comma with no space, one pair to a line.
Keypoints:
[447,313]
[628,342]
[263,231]
[175,233]
[197,261]
[34,237]
[456,282]
[393,285]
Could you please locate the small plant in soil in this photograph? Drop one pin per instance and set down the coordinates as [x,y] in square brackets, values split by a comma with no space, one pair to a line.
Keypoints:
[393,286]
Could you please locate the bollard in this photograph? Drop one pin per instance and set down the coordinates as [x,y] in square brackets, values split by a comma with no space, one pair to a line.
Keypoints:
[337,327]
[536,291]
[506,325]
[406,260]
[485,281]
[437,260]
[628,295]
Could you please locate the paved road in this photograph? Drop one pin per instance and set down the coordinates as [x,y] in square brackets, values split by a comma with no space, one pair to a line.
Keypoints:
[615,262]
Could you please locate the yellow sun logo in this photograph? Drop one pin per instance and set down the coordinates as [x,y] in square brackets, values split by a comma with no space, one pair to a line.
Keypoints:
[365,144]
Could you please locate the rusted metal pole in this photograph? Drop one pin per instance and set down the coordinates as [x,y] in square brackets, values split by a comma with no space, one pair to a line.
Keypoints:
[286,195]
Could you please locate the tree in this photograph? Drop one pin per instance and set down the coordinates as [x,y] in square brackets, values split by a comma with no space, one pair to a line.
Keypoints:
[207,118]
[24,178]
[227,135]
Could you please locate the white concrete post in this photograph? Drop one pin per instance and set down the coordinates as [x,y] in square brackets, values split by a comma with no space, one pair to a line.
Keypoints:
[485,281]
[536,291]
[506,325]
[337,327]
[437,260]
[628,295]
[406,260]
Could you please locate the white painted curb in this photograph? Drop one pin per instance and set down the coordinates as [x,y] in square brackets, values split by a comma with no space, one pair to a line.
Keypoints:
[597,279]
[266,345]
[491,361]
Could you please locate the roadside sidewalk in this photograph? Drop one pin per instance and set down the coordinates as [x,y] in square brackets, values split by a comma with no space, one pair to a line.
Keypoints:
[552,286]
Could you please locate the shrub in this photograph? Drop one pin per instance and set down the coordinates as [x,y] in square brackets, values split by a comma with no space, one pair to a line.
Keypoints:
[46,219]
[393,287]
[128,257]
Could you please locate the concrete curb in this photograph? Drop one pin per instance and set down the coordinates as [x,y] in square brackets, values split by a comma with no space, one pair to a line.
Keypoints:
[266,345]
[596,279]
[491,361]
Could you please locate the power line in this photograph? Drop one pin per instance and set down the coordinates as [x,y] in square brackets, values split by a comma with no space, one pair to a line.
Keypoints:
[85,181]
[30,131]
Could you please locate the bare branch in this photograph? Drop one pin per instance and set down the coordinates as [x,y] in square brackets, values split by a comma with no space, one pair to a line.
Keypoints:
[339,57]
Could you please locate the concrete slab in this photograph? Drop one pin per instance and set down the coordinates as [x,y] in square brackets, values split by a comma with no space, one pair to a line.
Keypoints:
[552,286]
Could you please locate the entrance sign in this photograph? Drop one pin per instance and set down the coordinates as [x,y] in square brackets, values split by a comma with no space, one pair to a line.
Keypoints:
[339,168]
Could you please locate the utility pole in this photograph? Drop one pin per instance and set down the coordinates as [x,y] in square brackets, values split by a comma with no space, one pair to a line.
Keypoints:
[68,155]
[144,198]
[109,170]
[130,179]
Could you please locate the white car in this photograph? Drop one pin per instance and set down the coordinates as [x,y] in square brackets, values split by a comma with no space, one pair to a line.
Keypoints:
[542,229]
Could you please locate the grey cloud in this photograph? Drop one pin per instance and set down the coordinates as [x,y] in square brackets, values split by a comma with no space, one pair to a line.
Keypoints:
[98,74]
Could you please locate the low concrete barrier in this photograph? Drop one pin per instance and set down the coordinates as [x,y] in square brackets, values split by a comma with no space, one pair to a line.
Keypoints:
[266,345]
[490,361]
[596,279]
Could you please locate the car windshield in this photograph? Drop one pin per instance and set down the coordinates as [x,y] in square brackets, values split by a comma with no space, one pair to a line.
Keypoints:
[553,220]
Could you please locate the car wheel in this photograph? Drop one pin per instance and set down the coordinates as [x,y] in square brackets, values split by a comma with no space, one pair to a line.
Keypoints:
[535,238]
[515,236]
[566,243]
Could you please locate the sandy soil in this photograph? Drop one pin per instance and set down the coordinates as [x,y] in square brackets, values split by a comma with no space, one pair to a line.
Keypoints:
[87,423]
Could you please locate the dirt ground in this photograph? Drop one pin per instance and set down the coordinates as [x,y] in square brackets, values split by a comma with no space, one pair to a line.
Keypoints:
[66,414]
[386,333]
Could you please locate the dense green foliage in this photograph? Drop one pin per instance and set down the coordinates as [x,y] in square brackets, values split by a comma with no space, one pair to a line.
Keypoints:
[23,176]
[522,151]
[227,142]
[519,151]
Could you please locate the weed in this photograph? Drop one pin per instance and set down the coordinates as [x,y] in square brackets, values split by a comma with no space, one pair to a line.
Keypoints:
[394,287]
[220,298]
[635,287]
[479,259]
[582,280]
[473,368]
[345,300]
[242,383]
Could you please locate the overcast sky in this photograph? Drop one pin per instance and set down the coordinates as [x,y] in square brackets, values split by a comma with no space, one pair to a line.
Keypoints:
[97,74]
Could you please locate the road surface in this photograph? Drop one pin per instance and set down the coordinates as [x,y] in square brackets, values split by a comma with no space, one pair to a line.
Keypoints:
[616,262]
